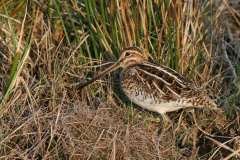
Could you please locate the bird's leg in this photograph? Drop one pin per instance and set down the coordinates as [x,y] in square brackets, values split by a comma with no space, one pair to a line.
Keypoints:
[166,121]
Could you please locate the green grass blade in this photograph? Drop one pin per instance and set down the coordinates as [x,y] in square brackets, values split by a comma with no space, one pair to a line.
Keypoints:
[64,28]
[91,29]
[15,76]
[176,43]
[75,30]
[15,60]
[103,3]
[98,30]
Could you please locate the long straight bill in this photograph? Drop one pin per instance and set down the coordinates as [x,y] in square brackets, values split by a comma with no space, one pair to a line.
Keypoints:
[110,69]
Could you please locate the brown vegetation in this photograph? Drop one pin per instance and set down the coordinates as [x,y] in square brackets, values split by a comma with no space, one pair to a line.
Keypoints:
[45,116]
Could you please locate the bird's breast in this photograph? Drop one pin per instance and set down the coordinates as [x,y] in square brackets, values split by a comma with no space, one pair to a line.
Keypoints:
[137,90]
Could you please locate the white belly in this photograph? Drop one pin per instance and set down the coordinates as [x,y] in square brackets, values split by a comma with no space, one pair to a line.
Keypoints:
[155,104]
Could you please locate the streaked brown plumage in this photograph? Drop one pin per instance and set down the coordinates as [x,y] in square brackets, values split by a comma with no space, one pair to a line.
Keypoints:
[154,86]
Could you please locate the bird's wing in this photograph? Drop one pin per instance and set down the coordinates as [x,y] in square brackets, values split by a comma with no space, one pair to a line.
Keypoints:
[171,84]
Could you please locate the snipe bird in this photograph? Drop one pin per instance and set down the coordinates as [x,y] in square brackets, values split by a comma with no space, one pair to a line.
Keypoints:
[154,86]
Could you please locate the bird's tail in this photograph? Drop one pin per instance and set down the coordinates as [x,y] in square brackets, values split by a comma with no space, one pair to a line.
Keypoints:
[206,102]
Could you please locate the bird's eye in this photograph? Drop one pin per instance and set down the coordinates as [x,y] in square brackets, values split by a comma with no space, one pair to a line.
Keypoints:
[127,54]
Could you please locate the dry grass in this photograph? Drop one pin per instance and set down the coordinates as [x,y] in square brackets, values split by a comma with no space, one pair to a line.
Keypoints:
[46,116]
